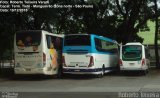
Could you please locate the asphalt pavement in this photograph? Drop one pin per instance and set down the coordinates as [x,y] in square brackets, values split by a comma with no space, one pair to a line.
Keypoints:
[112,85]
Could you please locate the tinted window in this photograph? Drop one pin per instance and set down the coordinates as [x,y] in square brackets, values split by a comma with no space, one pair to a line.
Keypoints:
[77,40]
[54,42]
[28,39]
[132,52]
[98,44]
[105,46]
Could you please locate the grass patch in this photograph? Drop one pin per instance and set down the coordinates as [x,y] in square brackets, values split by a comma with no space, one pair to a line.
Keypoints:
[148,35]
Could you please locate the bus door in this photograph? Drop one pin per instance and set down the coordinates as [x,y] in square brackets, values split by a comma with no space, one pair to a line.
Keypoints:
[54,52]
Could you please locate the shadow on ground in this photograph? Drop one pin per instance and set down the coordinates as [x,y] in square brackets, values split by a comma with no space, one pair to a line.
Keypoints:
[8,74]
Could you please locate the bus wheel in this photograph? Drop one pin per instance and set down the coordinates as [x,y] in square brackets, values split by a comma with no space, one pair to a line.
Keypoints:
[59,74]
[99,75]
[103,70]
[102,73]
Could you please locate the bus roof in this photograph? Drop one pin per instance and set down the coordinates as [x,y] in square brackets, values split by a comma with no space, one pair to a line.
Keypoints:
[46,32]
[133,43]
[22,31]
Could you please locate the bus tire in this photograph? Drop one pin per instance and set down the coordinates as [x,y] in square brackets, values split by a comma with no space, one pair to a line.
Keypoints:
[59,75]
[99,75]
[102,72]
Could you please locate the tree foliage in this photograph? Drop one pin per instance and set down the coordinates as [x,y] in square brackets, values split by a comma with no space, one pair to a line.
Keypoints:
[117,19]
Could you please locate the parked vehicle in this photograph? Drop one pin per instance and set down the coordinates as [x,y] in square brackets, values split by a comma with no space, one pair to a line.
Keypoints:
[134,56]
[37,52]
[89,54]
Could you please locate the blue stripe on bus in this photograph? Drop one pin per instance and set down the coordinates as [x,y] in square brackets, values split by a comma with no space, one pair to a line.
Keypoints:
[88,49]
[82,49]
[88,70]
[76,48]
[103,38]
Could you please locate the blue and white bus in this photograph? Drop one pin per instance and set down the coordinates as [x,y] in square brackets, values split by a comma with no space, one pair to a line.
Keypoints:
[89,54]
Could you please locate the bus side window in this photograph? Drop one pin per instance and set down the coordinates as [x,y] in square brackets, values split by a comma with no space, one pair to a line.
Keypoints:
[58,43]
[49,42]
[98,44]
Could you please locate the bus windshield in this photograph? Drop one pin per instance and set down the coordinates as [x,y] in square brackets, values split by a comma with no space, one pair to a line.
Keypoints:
[132,52]
[28,39]
[77,40]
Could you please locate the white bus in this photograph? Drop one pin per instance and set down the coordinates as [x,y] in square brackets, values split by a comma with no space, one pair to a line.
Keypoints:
[89,54]
[134,56]
[37,52]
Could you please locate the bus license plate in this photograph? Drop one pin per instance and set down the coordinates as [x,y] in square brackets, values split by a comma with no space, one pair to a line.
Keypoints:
[131,64]
[77,70]
[28,69]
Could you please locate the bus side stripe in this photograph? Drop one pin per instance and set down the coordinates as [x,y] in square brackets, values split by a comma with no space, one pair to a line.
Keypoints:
[87,70]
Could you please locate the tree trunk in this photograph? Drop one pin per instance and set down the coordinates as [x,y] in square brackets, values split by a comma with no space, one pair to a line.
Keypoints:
[156,35]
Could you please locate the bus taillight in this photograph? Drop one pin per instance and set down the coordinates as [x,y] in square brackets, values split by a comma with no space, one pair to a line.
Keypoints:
[143,62]
[44,58]
[120,62]
[91,63]
[63,61]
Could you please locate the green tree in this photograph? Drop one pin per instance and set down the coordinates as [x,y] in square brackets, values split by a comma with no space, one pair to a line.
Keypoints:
[117,19]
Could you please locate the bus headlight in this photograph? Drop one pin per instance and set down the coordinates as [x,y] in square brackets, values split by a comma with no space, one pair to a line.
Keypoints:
[39,65]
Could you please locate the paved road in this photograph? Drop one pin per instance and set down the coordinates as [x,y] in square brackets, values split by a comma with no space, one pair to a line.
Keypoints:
[112,85]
